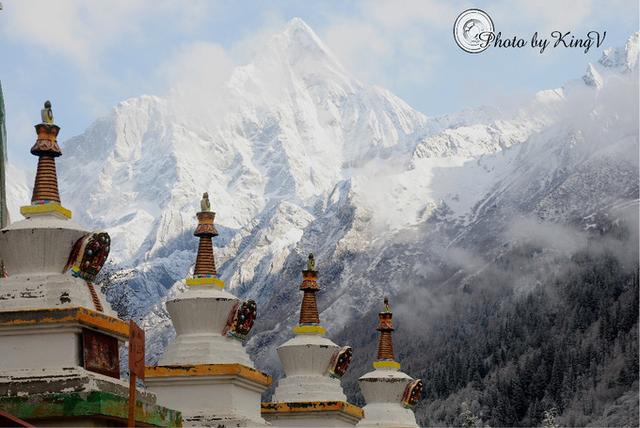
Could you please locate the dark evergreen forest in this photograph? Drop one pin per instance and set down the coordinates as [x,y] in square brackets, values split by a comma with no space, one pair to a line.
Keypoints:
[567,344]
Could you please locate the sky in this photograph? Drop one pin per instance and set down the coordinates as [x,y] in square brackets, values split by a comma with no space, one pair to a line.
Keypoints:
[86,56]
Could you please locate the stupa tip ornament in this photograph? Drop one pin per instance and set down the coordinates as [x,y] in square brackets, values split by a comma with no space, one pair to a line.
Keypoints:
[46,197]
[205,272]
[205,205]
[311,263]
[47,130]
[309,316]
[385,357]
[46,113]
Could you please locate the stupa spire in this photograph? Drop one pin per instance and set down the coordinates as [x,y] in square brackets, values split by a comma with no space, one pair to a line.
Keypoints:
[309,317]
[46,148]
[385,342]
[205,272]
[309,307]
[46,197]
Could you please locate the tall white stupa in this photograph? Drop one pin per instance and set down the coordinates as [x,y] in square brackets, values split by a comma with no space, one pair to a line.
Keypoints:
[206,372]
[390,394]
[59,338]
[310,394]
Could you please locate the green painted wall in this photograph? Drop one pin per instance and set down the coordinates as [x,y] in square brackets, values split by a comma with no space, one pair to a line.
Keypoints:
[86,404]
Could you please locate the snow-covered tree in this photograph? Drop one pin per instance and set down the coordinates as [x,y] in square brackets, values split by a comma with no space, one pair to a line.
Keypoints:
[549,420]
[469,420]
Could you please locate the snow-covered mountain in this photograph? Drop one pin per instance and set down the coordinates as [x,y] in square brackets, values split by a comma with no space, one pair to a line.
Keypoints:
[302,157]
[295,125]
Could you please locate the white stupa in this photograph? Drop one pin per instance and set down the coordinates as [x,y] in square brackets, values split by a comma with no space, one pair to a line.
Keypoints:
[59,338]
[390,394]
[310,394]
[206,372]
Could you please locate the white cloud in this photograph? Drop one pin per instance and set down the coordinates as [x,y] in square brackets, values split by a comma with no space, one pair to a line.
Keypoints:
[195,76]
[541,15]
[386,42]
[49,25]
[361,47]
[81,30]
[385,34]
[399,15]
[546,235]
[566,15]
[246,48]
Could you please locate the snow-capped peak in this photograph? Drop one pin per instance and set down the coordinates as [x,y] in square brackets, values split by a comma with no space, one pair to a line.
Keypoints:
[299,39]
[296,56]
[623,58]
[614,60]
[592,77]
[293,121]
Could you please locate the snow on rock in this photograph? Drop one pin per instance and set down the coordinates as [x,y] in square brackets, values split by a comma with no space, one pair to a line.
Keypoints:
[624,59]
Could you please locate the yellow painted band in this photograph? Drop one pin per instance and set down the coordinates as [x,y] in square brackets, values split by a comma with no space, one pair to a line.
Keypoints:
[88,317]
[312,406]
[205,281]
[208,370]
[306,329]
[382,364]
[26,210]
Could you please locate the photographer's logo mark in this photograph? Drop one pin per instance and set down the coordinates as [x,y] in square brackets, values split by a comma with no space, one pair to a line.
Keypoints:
[468,27]
[474,32]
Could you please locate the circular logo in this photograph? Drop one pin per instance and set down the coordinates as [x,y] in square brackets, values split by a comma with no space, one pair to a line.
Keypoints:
[468,27]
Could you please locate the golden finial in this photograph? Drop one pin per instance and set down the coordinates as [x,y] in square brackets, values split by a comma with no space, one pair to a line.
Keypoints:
[46,113]
[311,263]
[205,205]
[387,307]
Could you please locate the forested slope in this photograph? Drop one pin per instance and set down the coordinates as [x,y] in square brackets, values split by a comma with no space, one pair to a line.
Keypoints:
[568,344]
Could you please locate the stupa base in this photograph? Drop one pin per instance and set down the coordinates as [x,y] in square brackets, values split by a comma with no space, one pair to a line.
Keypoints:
[230,393]
[312,414]
[76,397]
[388,415]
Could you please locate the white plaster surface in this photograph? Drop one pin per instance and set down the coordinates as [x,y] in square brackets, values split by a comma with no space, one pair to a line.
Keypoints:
[305,360]
[383,389]
[227,400]
[39,244]
[39,347]
[48,291]
[35,252]
[199,316]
